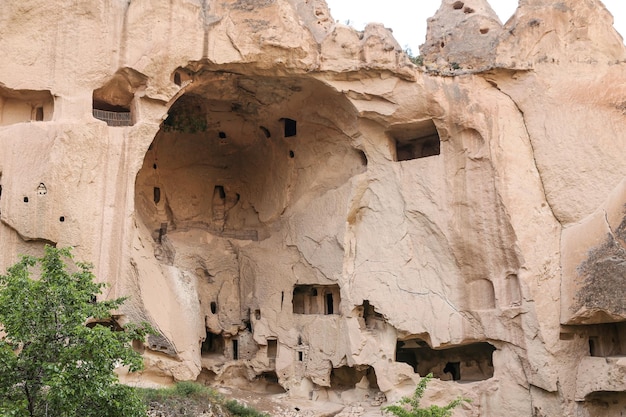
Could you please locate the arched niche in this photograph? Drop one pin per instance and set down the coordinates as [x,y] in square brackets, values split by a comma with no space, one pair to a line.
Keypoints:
[512,291]
[482,295]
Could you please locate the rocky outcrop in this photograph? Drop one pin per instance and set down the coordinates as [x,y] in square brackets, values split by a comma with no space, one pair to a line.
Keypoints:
[294,205]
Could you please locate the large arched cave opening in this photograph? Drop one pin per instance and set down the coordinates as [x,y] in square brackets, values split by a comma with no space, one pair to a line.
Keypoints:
[235,151]
[239,161]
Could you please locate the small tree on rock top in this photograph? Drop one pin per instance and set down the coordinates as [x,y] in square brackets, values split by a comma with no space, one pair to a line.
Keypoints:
[51,363]
[410,406]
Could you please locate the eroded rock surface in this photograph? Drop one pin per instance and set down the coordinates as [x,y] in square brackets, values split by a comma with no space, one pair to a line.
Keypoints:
[299,210]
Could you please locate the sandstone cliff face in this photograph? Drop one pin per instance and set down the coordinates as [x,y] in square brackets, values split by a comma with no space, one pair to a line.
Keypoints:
[293,203]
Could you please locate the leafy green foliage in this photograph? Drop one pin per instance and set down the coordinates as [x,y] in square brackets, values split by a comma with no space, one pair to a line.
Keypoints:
[410,406]
[240,410]
[187,399]
[51,363]
[191,389]
[183,389]
[183,122]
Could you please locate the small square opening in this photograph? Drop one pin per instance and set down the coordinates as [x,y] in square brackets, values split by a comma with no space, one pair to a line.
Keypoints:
[415,141]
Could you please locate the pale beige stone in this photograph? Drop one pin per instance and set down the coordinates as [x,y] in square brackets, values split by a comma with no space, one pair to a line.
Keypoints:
[300,211]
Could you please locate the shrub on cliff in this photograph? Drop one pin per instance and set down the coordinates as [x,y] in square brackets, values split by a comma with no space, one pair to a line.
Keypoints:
[188,399]
[410,406]
[51,363]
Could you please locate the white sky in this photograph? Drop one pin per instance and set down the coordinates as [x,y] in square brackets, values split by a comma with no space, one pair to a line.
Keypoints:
[407,18]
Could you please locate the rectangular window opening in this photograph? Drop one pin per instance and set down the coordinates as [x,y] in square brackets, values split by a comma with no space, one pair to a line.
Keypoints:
[272,349]
[593,343]
[607,339]
[329,303]
[416,141]
[316,299]
[235,349]
[290,127]
[418,148]
[156,195]
[473,362]
[212,344]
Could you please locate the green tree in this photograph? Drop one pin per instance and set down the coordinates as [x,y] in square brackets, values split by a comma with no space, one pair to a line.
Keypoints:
[51,363]
[413,402]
